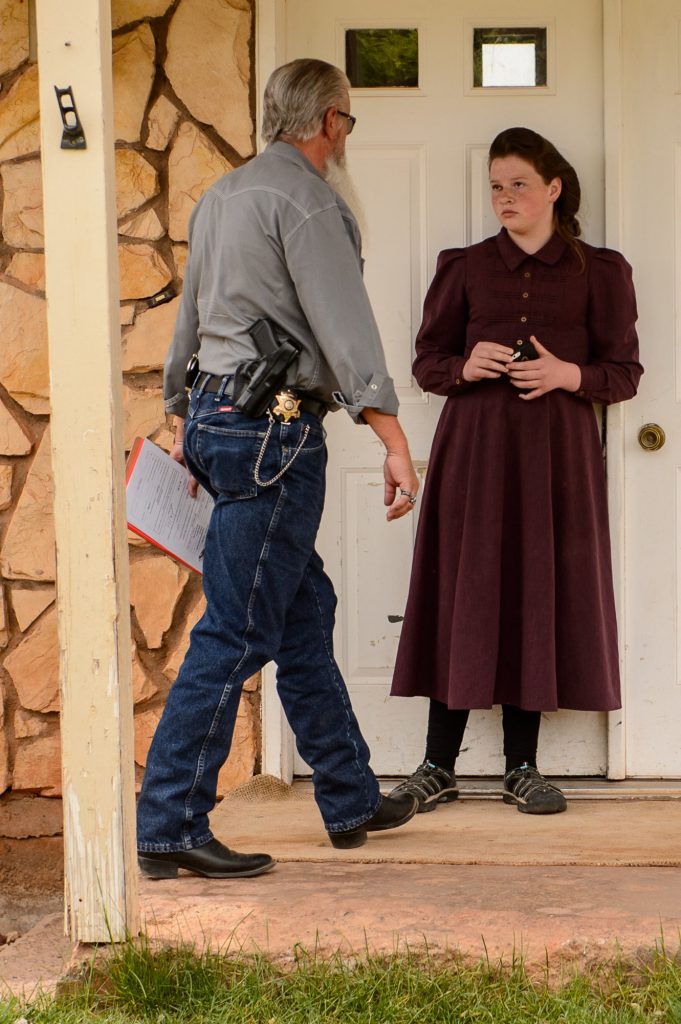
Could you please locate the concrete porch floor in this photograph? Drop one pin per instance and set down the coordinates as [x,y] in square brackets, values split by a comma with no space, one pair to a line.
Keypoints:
[582,913]
[574,914]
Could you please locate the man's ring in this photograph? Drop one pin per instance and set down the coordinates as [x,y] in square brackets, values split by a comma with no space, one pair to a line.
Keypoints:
[411,497]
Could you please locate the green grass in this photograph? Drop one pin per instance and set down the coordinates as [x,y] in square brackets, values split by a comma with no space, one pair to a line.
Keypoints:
[176,986]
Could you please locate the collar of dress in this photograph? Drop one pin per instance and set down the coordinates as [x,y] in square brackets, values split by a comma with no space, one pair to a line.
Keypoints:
[513,255]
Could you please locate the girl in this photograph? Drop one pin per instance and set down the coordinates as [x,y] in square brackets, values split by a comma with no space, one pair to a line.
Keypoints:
[511,599]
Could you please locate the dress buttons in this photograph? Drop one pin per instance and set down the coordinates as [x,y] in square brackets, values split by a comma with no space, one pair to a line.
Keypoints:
[526,295]
[458,380]
[527,274]
[523,319]
[519,341]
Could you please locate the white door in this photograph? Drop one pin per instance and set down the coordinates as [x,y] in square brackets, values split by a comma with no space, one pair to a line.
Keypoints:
[418,157]
[651,224]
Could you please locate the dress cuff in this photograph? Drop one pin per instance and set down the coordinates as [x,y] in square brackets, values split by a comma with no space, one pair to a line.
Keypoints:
[379,394]
[594,381]
[457,379]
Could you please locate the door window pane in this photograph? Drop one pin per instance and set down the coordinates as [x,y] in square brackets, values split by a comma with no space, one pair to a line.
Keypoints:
[380,58]
[509,57]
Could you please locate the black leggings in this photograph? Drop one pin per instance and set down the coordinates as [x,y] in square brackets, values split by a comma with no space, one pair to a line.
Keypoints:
[446,728]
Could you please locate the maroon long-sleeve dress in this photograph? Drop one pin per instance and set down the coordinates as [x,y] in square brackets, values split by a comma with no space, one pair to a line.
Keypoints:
[511,597]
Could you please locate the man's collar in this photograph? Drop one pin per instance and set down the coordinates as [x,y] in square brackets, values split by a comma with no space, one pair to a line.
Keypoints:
[513,255]
[289,152]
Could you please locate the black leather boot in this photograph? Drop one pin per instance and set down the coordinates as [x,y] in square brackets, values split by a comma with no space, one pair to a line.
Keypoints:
[213,860]
[392,812]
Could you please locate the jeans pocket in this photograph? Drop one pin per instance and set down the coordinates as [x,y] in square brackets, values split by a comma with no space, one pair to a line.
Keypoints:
[228,458]
[306,437]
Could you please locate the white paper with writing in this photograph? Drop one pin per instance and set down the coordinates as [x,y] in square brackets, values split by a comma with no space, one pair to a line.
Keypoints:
[160,508]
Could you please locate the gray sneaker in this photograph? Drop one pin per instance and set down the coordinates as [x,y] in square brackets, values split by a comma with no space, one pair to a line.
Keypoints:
[531,792]
[430,785]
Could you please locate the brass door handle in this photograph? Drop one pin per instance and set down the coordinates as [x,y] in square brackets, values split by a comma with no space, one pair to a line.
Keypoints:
[651,437]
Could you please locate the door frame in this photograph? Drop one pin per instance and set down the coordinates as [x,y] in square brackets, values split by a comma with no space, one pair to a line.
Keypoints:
[277,751]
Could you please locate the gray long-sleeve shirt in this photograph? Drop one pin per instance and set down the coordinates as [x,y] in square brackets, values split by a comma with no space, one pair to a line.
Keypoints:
[272,239]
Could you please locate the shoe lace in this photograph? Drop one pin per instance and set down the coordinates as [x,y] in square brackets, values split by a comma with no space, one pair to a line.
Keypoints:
[426,781]
[526,780]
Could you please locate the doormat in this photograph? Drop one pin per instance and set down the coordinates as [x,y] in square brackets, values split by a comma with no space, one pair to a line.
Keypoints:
[268,815]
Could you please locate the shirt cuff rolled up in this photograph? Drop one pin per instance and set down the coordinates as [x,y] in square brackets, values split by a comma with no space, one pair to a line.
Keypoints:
[379,394]
[177,405]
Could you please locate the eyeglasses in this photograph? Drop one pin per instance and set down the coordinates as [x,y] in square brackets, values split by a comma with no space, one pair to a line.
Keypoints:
[352,120]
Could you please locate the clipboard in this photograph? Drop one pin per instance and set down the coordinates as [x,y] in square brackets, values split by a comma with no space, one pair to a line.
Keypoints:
[160,508]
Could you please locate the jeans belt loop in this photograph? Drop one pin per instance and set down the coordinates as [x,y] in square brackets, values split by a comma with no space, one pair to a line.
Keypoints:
[202,386]
[223,384]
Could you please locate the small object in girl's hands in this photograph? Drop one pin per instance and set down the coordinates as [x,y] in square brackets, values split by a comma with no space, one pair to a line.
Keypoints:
[525,352]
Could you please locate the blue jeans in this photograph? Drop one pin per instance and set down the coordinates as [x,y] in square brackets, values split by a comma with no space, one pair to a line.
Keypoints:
[267,599]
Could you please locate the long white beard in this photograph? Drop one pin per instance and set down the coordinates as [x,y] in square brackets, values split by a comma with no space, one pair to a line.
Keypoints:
[337,176]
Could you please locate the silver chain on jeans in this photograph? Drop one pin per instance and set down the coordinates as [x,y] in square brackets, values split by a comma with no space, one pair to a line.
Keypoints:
[284,469]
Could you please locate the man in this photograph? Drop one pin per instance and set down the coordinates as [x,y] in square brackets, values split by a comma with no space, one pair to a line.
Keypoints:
[271,240]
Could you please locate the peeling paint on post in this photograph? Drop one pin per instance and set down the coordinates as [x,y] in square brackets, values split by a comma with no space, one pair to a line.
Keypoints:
[74,49]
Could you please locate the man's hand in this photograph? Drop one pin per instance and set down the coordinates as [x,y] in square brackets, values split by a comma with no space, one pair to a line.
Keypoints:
[488,360]
[547,373]
[177,453]
[399,474]
[398,471]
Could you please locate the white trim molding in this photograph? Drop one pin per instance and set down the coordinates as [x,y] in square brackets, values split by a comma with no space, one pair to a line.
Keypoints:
[612,123]
[277,750]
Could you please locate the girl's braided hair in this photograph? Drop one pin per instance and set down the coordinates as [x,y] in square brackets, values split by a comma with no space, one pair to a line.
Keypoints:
[549,164]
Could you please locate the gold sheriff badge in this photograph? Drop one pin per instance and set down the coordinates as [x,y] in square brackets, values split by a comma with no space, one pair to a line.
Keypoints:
[287,407]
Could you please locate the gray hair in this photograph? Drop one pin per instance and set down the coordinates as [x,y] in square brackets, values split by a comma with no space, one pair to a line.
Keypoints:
[298,95]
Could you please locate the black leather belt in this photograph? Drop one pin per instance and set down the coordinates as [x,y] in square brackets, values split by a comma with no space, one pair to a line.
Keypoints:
[213,384]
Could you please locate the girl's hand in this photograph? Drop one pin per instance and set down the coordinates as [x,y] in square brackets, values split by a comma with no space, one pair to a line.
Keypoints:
[488,359]
[547,373]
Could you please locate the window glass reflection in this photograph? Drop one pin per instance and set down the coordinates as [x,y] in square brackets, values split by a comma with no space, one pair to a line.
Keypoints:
[382,58]
[509,57]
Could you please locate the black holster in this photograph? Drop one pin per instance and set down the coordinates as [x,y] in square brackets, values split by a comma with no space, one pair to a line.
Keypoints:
[257,381]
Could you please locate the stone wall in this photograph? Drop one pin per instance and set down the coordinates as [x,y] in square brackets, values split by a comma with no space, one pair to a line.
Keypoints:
[183,116]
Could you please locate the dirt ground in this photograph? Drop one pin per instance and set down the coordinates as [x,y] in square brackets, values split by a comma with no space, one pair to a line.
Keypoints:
[31,862]
[31,883]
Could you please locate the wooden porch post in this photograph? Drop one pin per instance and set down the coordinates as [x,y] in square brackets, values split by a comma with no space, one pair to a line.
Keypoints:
[74,49]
